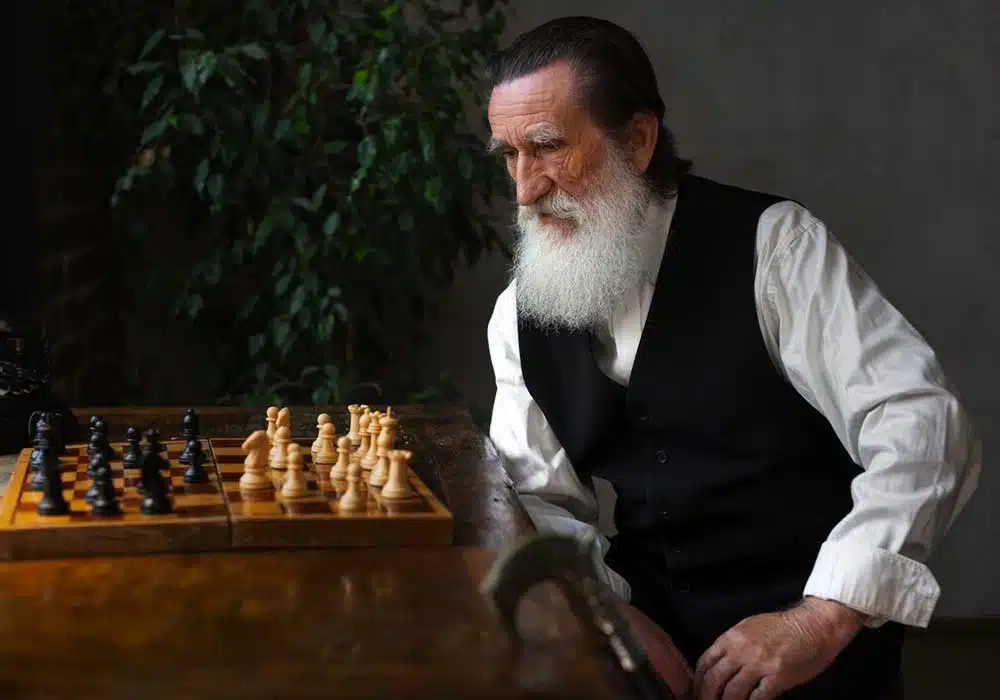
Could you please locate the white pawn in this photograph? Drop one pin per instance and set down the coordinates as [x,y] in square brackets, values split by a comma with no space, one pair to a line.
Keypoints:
[279,453]
[254,470]
[339,470]
[321,420]
[272,423]
[295,479]
[353,499]
[398,484]
[327,453]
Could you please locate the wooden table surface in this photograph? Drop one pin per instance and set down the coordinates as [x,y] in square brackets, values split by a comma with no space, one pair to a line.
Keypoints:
[344,623]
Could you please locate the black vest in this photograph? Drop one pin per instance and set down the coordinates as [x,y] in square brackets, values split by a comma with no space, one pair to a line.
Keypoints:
[727,480]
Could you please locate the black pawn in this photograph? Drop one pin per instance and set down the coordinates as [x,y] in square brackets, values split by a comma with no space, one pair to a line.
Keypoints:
[97,464]
[155,499]
[53,502]
[105,501]
[101,430]
[35,461]
[130,460]
[195,473]
[190,432]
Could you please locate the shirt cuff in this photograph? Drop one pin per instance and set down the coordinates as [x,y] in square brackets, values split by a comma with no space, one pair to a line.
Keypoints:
[881,584]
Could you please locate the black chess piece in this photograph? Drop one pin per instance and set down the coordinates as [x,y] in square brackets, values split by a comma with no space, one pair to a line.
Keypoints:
[96,464]
[53,502]
[195,473]
[105,500]
[37,459]
[100,429]
[130,459]
[94,449]
[58,433]
[151,465]
[190,433]
[156,499]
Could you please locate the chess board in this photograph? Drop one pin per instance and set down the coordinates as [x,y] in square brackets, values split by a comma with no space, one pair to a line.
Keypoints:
[210,516]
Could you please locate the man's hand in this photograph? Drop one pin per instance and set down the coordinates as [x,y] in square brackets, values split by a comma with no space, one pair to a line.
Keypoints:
[766,655]
[663,655]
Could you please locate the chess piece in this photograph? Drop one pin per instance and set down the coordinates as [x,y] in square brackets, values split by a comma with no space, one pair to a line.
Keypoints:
[100,429]
[195,473]
[398,485]
[354,433]
[284,418]
[327,454]
[369,458]
[94,467]
[53,502]
[150,461]
[272,423]
[94,449]
[321,420]
[104,501]
[363,436]
[37,458]
[386,437]
[130,460]
[190,434]
[156,500]
[339,470]
[255,476]
[353,499]
[295,479]
[279,453]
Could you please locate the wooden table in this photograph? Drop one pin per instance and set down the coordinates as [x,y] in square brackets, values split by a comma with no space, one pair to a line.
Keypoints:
[374,623]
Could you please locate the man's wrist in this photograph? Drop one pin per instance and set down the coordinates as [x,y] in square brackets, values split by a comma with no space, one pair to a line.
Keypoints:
[841,621]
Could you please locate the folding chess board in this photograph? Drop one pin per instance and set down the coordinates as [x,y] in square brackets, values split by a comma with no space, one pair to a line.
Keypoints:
[210,516]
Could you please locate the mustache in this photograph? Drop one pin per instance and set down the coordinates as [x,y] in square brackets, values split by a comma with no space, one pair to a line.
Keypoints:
[557,204]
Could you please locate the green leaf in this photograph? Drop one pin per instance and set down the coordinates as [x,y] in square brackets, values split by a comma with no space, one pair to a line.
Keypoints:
[254,51]
[155,130]
[331,224]
[151,91]
[298,301]
[317,198]
[151,43]
[281,286]
[390,10]
[256,344]
[200,176]
[360,78]
[366,151]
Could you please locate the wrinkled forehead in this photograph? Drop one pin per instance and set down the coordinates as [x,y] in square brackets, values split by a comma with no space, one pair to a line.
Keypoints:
[539,107]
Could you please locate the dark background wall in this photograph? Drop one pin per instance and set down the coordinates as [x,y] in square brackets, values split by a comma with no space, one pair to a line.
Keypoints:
[884,118]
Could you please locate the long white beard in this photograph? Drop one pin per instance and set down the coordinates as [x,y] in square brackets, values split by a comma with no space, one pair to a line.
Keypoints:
[575,280]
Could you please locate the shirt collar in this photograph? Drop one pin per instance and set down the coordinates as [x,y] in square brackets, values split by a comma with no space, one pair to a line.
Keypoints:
[656,228]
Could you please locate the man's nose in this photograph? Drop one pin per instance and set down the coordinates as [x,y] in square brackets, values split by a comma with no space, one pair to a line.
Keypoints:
[531,183]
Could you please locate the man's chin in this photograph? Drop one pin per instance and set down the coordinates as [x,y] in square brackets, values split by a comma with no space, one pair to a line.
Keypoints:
[555,225]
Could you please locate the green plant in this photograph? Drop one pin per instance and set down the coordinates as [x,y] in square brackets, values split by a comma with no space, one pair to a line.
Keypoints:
[315,170]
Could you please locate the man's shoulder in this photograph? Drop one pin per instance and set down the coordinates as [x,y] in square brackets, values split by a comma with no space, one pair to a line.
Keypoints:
[503,320]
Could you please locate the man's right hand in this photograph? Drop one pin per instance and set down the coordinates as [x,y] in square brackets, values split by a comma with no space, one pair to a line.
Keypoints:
[663,655]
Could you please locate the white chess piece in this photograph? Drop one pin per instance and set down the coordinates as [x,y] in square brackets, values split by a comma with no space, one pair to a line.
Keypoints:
[295,478]
[279,453]
[255,476]
[353,499]
[327,454]
[398,485]
[340,469]
[321,420]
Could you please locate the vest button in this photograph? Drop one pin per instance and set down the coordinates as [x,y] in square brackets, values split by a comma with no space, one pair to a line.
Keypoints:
[661,457]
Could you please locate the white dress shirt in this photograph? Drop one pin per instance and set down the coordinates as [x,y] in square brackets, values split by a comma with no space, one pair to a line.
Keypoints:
[850,354]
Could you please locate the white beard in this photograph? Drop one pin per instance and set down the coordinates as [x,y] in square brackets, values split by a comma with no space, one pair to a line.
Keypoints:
[575,280]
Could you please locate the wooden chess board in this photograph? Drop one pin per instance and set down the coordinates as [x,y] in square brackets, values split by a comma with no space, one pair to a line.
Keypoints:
[210,516]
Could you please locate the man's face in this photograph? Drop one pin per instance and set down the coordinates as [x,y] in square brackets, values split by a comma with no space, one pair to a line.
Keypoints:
[548,142]
[580,198]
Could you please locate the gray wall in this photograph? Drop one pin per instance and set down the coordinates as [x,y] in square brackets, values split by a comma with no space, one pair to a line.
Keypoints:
[884,118]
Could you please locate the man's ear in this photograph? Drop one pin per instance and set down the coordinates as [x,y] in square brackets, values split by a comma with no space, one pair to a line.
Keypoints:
[643,133]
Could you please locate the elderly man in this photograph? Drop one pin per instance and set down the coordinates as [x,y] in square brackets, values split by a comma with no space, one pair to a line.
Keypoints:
[783,449]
